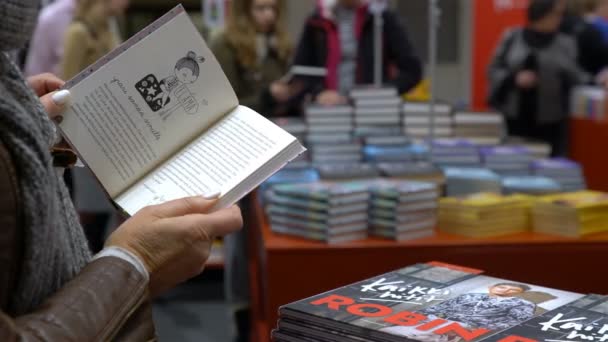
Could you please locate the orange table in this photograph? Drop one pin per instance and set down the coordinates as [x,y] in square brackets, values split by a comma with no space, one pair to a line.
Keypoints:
[285,269]
[588,139]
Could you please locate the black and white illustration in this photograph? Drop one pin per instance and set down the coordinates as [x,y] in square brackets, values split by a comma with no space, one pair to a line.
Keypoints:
[164,96]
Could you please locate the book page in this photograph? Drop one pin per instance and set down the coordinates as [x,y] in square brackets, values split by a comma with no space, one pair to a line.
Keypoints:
[143,102]
[231,151]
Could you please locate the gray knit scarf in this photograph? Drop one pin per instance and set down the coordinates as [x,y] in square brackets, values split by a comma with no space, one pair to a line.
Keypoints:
[54,245]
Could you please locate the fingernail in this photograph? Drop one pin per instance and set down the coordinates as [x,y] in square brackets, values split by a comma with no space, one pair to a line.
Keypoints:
[61,97]
[212,195]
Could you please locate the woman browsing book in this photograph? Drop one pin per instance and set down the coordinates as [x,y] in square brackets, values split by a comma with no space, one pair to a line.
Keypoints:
[51,287]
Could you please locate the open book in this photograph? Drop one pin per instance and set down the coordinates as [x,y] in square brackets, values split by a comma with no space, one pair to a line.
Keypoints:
[157,119]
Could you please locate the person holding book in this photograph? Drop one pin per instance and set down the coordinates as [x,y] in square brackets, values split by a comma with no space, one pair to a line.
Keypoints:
[255,50]
[339,36]
[51,287]
[531,75]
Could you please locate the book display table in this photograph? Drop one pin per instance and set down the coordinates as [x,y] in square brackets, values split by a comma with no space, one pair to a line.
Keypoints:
[285,269]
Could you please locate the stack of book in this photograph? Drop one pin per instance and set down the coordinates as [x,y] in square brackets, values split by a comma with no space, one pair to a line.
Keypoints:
[442,303]
[419,118]
[403,210]
[567,173]
[531,185]
[467,181]
[330,135]
[573,214]
[484,129]
[377,111]
[404,153]
[348,172]
[589,103]
[538,149]
[415,171]
[507,160]
[455,153]
[484,214]
[323,211]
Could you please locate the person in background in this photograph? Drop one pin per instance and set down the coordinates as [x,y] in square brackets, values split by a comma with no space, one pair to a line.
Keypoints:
[597,15]
[531,75]
[340,37]
[592,48]
[46,48]
[255,50]
[89,36]
[51,287]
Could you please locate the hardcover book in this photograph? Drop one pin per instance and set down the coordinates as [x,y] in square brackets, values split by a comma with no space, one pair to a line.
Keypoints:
[160,124]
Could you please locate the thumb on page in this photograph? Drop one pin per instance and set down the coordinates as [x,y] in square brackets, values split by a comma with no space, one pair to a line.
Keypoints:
[56,103]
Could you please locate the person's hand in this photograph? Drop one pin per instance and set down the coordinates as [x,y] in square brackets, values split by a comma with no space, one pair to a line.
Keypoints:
[279,91]
[602,79]
[173,239]
[526,79]
[330,98]
[47,86]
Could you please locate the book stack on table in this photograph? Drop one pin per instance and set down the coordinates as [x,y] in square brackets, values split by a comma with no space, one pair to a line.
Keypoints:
[348,172]
[379,150]
[485,215]
[484,129]
[330,135]
[507,160]
[567,173]
[538,149]
[377,111]
[324,211]
[530,185]
[403,210]
[572,214]
[455,153]
[467,181]
[417,120]
[443,303]
[415,171]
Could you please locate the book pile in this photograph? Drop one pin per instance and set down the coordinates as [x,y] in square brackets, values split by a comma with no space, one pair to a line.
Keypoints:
[324,211]
[507,160]
[467,181]
[415,171]
[417,120]
[377,111]
[329,136]
[531,185]
[567,173]
[485,129]
[573,214]
[403,210]
[348,172]
[443,303]
[589,102]
[538,149]
[484,215]
[298,128]
[455,153]
[388,148]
